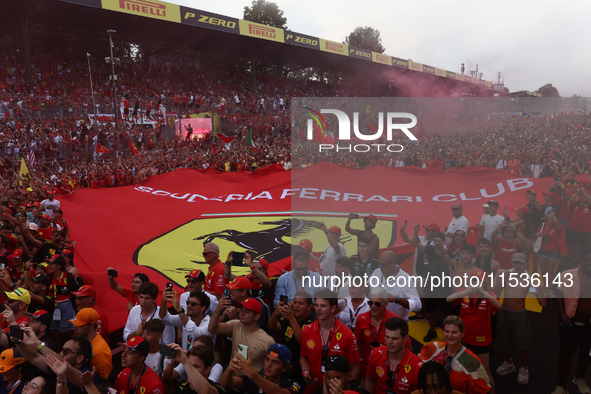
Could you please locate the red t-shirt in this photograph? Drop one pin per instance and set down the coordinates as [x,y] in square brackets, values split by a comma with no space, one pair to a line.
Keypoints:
[341,341]
[580,217]
[215,282]
[404,375]
[46,233]
[513,166]
[149,383]
[551,237]
[131,297]
[22,322]
[504,252]
[366,332]
[476,320]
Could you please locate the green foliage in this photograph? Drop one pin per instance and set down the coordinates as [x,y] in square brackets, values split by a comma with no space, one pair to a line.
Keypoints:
[548,91]
[265,13]
[366,38]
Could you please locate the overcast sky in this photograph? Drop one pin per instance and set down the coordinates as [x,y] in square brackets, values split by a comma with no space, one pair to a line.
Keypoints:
[531,43]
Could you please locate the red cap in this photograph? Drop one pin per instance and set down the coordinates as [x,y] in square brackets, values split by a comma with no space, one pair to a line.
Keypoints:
[86,291]
[241,282]
[306,244]
[264,263]
[252,304]
[479,274]
[335,229]
[46,217]
[372,218]
[549,194]
[523,209]
[17,253]
[433,226]
[196,274]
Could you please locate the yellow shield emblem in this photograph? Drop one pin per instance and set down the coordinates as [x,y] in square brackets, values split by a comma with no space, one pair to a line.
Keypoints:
[407,368]
[142,390]
[339,336]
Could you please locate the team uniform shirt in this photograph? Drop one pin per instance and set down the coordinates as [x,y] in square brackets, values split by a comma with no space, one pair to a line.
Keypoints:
[102,359]
[149,383]
[131,296]
[259,290]
[467,372]
[22,322]
[403,376]
[513,166]
[361,268]
[46,233]
[580,217]
[367,332]
[477,318]
[340,341]
[286,383]
[62,287]
[288,339]
[215,282]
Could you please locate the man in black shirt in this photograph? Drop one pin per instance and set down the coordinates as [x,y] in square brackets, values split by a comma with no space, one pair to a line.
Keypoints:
[275,379]
[363,263]
[38,291]
[289,321]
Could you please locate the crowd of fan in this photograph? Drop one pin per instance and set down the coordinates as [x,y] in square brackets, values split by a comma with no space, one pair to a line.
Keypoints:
[296,333]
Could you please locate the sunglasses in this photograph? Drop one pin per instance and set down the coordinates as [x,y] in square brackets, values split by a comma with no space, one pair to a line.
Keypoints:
[10,301]
[447,366]
[192,303]
[377,304]
[192,281]
[206,253]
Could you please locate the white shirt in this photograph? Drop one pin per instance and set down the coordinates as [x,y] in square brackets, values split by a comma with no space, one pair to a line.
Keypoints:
[135,318]
[406,290]
[348,316]
[456,224]
[214,375]
[213,302]
[327,261]
[490,224]
[153,361]
[191,331]
[342,290]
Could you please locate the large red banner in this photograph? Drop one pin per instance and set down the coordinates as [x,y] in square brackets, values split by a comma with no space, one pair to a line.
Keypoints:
[158,226]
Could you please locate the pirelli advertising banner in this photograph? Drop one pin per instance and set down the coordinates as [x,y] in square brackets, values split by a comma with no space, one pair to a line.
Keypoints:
[334,47]
[381,58]
[301,40]
[428,69]
[209,20]
[359,53]
[257,30]
[151,9]
[440,72]
[415,66]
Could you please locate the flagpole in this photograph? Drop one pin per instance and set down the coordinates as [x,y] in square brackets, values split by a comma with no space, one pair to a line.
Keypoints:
[91,86]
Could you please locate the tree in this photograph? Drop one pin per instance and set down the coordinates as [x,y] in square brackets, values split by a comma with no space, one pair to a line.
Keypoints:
[366,38]
[548,91]
[265,13]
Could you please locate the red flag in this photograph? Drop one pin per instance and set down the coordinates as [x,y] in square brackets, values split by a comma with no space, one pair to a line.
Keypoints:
[225,138]
[101,149]
[421,135]
[321,136]
[132,148]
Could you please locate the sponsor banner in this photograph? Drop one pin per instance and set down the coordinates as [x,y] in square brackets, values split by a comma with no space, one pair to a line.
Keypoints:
[460,77]
[440,72]
[400,62]
[359,53]
[488,84]
[334,47]
[252,29]
[302,40]
[381,58]
[176,61]
[209,20]
[428,69]
[482,82]
[415,66]
[450,74]
[475,80]
[148,8]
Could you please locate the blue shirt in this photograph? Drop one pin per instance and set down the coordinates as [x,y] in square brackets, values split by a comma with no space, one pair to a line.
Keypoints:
[288,285]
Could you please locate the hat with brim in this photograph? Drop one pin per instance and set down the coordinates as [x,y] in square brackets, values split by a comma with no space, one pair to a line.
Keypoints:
[8,360]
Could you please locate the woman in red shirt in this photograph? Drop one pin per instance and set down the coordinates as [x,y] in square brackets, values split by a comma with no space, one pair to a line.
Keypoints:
[549,253]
